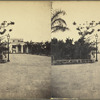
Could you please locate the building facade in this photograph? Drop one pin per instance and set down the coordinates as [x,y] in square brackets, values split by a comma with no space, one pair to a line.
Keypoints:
[18,46]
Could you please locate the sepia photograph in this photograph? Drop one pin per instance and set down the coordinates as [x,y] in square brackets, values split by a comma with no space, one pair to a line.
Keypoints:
[75,49]
[25,61]
[50,50]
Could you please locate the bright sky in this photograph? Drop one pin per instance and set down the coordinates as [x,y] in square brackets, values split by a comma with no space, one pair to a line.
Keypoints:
[80,12]
[32,19]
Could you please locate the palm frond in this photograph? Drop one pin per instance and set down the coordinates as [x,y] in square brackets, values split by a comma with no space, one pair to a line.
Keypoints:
[57,28]
[56,14]
[58,20]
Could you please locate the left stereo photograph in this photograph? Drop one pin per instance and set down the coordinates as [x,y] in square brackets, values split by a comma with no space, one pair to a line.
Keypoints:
[25,61]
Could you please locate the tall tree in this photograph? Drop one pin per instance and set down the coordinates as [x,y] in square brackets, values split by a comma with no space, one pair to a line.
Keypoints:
[58,23]
[84,46]
[86,28]
[3,26]
[3,29]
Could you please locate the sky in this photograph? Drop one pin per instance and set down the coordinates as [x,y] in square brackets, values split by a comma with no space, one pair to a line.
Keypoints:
[80,12]
[32,19]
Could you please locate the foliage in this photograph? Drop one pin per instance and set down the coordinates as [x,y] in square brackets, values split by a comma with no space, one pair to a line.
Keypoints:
[58,23]
[3,30]
[86,28]
[2,47]
[3,26]
[39,48]
[67,50]
[82,49]
[61,49]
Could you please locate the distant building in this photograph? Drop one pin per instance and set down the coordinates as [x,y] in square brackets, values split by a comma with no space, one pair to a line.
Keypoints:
[18,46]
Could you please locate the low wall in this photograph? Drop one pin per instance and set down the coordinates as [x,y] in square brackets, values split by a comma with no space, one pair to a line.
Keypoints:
[72,61]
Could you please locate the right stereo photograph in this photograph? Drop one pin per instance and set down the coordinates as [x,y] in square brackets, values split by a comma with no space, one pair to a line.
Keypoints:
[75,50]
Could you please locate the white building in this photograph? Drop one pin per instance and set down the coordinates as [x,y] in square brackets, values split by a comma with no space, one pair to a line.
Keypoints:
[17,46]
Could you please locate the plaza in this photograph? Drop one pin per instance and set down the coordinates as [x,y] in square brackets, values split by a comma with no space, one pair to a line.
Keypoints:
[25,76]
[80,81]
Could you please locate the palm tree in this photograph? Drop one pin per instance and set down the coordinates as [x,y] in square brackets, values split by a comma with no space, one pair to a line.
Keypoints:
[58,23]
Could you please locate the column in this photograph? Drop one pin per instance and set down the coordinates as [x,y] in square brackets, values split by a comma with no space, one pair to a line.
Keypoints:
[21,48]
[26,49]
[16,49]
